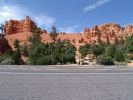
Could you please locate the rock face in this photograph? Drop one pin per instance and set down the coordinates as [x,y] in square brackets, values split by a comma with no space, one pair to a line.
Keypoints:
[4,45]
[15,26]
[128,30]
[107,33]
[1,36]
[21,30]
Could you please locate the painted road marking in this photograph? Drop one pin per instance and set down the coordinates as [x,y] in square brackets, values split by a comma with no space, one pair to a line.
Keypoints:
[19,73]
[117,69]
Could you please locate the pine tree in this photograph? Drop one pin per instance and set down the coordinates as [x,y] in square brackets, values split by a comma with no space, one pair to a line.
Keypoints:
[16,44]
[36,36]
[53,33]
[17,53]
[25,50]
[17,57]
[99,37]
[108,41]
[2,28]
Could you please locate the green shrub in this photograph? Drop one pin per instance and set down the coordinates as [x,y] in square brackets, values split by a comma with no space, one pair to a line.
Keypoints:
[85,50]
[110,51]
[105,60]
[7,61]
[3,57]
[129,44]
[119,56]
[53,33]
[47,60]
[98,50]
[17,57]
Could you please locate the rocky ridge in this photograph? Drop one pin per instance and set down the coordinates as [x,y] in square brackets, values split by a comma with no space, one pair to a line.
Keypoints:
[109,32]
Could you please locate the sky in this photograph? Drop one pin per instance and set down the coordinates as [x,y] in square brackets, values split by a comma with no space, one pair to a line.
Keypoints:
[70,16]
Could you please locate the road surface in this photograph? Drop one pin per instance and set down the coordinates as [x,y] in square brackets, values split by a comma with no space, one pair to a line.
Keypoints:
[69,83]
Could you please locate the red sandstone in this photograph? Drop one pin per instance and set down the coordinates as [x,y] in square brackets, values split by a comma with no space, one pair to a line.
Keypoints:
[15,26]
[21,30]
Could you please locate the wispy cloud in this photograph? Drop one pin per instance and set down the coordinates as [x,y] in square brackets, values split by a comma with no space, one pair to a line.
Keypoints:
[97,4]
[11,12]
[72,29]
[17,12]
[44,21]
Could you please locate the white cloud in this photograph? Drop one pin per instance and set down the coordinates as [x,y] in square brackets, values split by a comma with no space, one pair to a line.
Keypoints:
[11,12]
[125,25]
[8,12]
[72,29]
[97,4]
[45,21]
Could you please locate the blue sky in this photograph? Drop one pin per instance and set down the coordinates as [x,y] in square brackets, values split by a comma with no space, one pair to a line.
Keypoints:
[68,15]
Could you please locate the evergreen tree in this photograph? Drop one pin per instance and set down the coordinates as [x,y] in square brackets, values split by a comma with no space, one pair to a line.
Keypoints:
[85,50]
[35,52]
[25,49]
[17,53]
[70,54]
[36,36]
[129,44]
[99,37]
[108,41]
[16,43]
[110,50]
[53,33]
[98,50]
[17,57]
[119,56]
[105,60]
[2,28]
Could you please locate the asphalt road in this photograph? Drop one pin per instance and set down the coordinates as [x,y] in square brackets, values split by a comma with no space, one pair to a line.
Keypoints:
[69,83]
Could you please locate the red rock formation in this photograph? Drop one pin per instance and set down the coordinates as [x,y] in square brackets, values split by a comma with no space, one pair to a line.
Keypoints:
[4,45]
[128,30]
[110,32]
[1,36]
[14,26]
[21,30]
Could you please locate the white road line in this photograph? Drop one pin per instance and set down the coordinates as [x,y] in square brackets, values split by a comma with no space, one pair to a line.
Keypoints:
[92,68]
[44,67]
[18,73]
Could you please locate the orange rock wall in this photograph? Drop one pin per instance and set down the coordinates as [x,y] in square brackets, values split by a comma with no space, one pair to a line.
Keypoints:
[4,45]
[15,26]
[109,32]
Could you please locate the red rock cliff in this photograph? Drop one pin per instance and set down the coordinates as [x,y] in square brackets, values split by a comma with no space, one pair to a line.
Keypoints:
[15,26]
[109,32]
[4,45]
